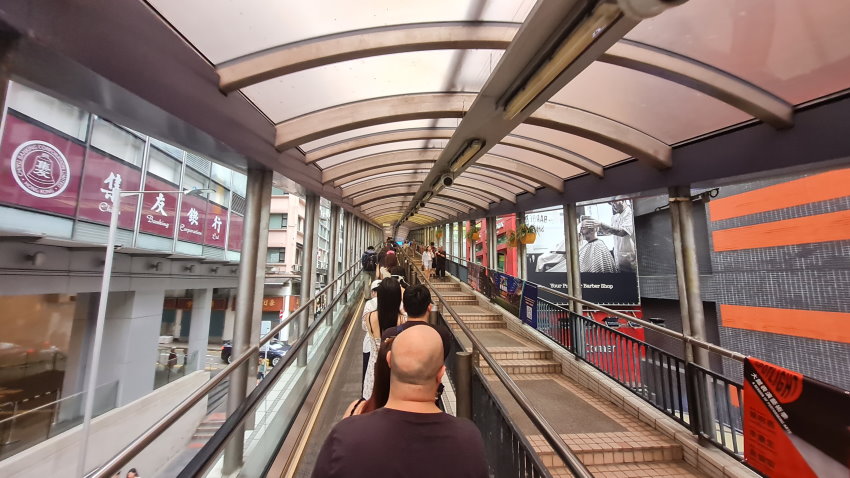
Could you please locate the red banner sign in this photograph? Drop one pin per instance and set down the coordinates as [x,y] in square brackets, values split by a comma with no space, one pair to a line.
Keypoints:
[39,169]
[100,175]
[216,231]
[193,214]
[159,210]
[794,426]
[234,241]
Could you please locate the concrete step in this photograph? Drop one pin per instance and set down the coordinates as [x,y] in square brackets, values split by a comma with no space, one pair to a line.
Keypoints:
[525,366]
[636,470]
[441,286]
[625,454]
[480,324]
[521,355]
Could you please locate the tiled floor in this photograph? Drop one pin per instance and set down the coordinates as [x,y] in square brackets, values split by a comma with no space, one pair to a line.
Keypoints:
[636,450]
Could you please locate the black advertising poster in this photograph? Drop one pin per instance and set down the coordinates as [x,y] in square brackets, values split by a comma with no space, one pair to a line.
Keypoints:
[528,305]
[794,426]
[606,254]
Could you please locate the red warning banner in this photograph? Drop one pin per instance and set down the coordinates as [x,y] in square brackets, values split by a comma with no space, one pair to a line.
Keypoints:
[794,426]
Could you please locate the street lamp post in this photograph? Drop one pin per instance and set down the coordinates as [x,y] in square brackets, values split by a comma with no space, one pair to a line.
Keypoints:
[91,379]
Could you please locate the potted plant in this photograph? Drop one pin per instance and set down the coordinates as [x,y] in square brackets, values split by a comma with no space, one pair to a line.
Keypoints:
[472,233]
[439,234]
[513,238]
[527,234]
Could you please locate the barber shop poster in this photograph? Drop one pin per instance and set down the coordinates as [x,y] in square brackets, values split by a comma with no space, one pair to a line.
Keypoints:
[794,426]
[607,258]
[606,254]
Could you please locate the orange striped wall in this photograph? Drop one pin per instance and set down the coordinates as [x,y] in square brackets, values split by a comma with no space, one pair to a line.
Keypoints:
[834,226]
[813,324]
[820,187]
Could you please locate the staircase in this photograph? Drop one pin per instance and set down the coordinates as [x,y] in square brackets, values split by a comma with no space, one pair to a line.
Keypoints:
[609,441]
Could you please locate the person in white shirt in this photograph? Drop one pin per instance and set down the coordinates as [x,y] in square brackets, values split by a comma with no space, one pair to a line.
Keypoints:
[427,257]
[371,306]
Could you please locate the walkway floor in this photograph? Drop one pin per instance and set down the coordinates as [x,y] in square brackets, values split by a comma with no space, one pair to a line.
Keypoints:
[609,441]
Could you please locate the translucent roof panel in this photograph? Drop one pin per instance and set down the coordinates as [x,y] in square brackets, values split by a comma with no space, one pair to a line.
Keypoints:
[370,150]
[296,94]
[794,49]
[369,130]
[592,150]
[658,107]
[227,29]
[546,163]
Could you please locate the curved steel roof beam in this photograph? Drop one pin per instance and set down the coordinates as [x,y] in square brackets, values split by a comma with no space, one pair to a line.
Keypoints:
[454,203]
[428,210]
[487,181]
[375,139]
[367,163]
[285,59]
[463,196]
[337,119]
[389,168]
[455,208]
[486,188]
[371,112]
[519,183]
[412,134]
[389,180]
[483,189]
[523,170]
[705,78]
[395,193]
[604,131]
[473,192]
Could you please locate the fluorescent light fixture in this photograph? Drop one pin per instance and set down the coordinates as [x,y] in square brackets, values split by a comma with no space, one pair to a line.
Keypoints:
[576,43]
[471,149]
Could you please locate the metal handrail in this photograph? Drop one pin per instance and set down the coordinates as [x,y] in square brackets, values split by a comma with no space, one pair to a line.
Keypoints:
[199,464]
[649,325]
[558,444]
[141,442]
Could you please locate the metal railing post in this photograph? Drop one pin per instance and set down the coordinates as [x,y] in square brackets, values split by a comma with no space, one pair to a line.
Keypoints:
[463,390]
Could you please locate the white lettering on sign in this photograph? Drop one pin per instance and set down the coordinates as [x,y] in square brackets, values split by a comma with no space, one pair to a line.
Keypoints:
[158,222]
[601,348]
[159,205]
[597,286]
[185,229]
[40,169]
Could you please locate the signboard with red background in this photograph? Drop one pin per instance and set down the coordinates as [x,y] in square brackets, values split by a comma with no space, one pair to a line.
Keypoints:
[39,169]
[193,215]
[216,230]
[159,211]
[100,175]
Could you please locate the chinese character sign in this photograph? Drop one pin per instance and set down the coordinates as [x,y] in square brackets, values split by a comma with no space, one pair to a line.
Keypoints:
[191,226]
[794,426]
[216,231]
[100,175]
[39,169]
[159,210]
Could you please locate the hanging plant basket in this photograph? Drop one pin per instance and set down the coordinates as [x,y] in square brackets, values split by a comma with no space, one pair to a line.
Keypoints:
[513,239]
[474,236]
[527,234]
[472,233]
[439,234]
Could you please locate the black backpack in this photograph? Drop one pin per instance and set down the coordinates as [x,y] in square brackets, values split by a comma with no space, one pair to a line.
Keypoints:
[369,261]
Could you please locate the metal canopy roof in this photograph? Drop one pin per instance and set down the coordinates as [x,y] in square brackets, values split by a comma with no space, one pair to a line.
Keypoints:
[375,101]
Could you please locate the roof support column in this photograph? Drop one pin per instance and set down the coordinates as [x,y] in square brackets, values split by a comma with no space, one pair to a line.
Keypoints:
[450,235]
[522,273]
[574,272]
[333,253]
[249,298]
[308,269]
[491,242]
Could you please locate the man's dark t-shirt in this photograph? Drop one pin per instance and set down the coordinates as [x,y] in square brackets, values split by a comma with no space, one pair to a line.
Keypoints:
[393,443]
[445,333]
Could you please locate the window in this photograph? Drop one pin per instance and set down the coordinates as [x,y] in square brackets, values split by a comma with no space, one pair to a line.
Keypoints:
[163,166]
[300,224]
[194,180]
[279,192]
[276,255]
[220,195]
[117,141]
[299,255]
[48,110]
[278,221]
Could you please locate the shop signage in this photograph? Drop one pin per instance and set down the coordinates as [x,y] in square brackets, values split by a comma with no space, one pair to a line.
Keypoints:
[193,212]
[528,306]
[39,169]
[100,175]
[159,210]
[216,230]
[794,426]
[272,304]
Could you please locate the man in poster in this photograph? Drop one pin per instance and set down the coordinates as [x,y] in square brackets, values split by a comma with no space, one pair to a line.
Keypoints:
[622,227]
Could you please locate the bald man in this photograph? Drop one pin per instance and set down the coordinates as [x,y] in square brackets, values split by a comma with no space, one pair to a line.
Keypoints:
[410,437]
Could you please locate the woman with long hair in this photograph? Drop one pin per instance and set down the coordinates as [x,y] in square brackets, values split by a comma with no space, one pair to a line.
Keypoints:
[387,315]
[390,261]
[381,388]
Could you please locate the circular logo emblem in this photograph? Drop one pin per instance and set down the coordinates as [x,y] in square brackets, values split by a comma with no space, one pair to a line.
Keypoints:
[40,169]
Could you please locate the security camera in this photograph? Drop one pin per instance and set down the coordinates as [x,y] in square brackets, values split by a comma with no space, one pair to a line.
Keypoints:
[447,180]
[422,204]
